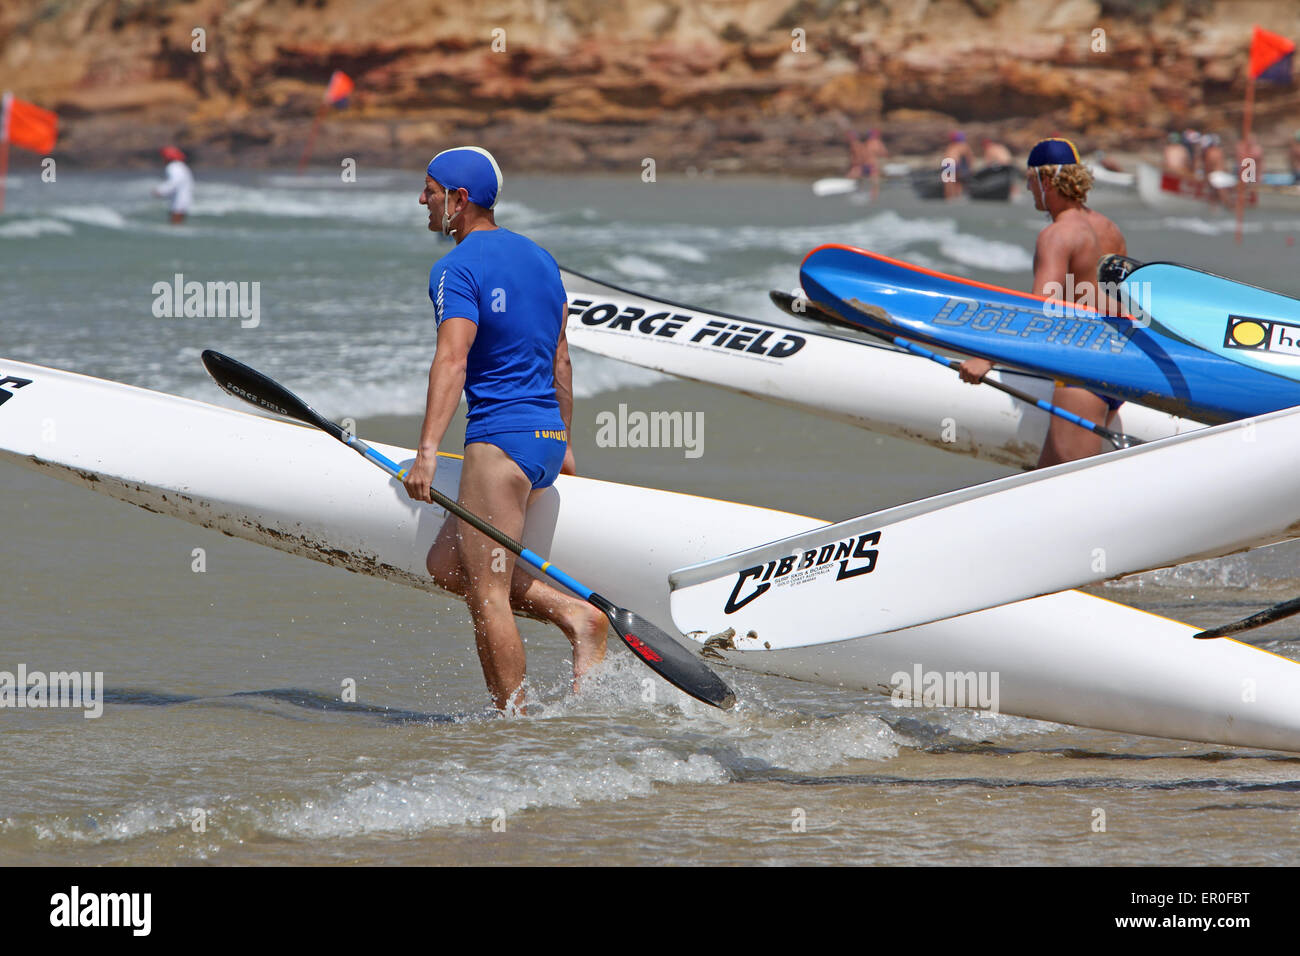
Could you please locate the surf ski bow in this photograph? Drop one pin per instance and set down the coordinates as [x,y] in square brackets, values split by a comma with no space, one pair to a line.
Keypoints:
[1006,540]
[1239,322]
[1070,658]
[1112,356]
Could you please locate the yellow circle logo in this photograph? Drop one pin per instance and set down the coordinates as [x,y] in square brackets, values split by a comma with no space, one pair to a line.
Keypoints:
[1248,334]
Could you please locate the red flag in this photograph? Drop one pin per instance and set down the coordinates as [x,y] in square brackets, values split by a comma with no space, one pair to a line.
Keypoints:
[340,88]
[1270,56]
[28,126]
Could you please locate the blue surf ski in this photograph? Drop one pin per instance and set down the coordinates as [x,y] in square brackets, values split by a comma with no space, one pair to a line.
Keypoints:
[1233,320]
[1110,356]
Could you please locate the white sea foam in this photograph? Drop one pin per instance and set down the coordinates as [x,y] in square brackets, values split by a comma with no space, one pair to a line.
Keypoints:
[102,216]
[459,792]
[126,824]
[987,254]
[677,250]
[639,267]
[34,228]
[816,745]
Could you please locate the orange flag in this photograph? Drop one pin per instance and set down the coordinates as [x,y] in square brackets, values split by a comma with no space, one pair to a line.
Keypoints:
[340,88]
[28,126]
[1270,56]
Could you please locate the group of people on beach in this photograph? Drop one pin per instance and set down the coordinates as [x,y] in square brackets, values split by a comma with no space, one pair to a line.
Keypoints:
[867,160]
[1201,159]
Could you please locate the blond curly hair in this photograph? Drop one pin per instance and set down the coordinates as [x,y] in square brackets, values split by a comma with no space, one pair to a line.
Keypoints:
[1072,181]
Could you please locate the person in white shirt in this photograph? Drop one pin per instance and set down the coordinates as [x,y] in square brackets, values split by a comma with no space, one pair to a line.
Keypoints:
[179,184]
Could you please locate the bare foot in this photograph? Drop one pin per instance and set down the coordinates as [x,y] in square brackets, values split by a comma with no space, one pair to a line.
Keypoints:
[587,630]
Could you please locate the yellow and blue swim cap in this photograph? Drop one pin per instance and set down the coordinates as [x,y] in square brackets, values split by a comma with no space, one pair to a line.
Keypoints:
[1050,152]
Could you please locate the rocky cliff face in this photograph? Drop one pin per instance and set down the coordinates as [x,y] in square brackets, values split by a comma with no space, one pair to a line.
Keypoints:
[763,86]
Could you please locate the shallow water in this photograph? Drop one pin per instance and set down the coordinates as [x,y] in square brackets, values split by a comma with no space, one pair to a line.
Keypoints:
[224,739]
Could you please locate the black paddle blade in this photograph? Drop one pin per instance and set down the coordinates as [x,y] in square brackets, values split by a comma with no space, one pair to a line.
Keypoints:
[1114,268]
[1267,616]
[808,309]
[666,657]
[784,301]
[256,389]
[805,308]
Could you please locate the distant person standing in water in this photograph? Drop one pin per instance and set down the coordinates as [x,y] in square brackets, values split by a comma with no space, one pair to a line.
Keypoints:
[867,158]
[874,153]
[958,158]
[1066,256]
[995,154]
[1215,168]
[179,184]
[1177,158]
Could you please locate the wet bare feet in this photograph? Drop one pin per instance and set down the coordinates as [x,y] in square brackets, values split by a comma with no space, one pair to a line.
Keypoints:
[587,630]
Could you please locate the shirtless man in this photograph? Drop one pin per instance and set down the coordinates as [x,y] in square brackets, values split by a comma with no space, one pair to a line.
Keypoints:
[1215,164]
[872,155]
[1178,159]
[958,158]
[1071,246]
[995,154]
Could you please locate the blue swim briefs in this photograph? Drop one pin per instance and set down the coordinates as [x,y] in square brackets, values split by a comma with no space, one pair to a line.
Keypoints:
[538,453]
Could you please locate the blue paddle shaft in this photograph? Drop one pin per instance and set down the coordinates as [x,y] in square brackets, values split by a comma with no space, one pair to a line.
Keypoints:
[536,560]
[1045,406]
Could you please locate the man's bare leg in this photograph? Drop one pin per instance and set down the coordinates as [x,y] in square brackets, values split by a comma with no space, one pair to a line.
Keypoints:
[1066,442]
[585,627]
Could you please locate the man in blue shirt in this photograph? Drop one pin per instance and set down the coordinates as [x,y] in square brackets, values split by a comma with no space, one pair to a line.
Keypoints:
[501,312]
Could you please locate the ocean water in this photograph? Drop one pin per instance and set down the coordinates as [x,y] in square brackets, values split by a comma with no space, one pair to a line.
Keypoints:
[224,739]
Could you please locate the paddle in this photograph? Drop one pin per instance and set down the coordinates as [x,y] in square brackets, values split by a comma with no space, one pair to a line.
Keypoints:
[655,648]
[786,301]
[1267,616]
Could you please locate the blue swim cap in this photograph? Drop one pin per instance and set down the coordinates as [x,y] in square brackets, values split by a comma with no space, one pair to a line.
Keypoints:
[1053,152]
[470,168]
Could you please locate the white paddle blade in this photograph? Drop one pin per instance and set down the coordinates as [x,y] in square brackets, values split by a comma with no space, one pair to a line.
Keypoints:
[834,186]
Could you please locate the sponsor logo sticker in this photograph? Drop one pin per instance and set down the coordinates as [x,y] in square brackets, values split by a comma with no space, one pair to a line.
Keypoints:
[848,557]
[1262,335]
[742,335]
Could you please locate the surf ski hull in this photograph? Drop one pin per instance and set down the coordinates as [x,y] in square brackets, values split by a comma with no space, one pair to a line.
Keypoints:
[1069,657]
[871,386]
[1113,356]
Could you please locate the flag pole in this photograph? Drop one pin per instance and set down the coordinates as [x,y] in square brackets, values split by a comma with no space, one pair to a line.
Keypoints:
[4,171]
[1246,118]
[4,146]
[311,139]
